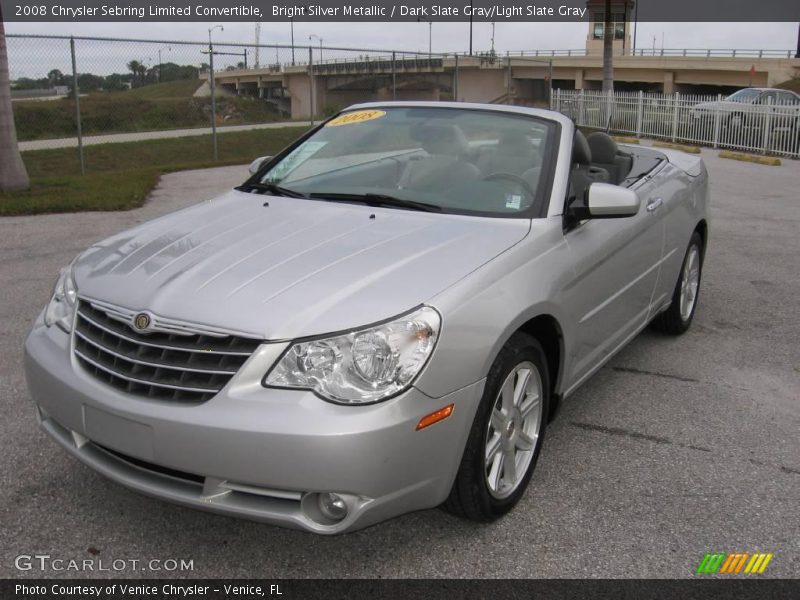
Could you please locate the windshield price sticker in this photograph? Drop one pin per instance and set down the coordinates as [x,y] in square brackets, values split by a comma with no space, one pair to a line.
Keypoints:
[358,116]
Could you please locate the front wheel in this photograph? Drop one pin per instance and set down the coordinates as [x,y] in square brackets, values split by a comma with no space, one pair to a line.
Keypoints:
[678,317]
[507,433]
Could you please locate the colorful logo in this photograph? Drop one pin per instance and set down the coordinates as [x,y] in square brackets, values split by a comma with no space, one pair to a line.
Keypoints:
[734,563]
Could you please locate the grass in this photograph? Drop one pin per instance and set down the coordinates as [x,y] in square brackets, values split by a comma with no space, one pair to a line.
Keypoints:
[121,176]
[169,105]
[180,88]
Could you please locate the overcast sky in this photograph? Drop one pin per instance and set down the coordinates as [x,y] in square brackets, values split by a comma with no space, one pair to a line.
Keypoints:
[447,37]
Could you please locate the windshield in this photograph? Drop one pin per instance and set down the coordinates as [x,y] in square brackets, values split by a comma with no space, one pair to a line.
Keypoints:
[745,95]
[450,159]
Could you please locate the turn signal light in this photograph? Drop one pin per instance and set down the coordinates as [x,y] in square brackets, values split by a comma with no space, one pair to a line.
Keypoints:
[435,417]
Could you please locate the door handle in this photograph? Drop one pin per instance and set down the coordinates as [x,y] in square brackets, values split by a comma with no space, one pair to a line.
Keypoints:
[654,204]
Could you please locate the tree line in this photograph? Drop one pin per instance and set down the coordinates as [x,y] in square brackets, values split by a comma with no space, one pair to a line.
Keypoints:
[138,75]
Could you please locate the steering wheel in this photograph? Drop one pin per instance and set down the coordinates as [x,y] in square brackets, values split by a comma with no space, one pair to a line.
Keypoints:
[513,178]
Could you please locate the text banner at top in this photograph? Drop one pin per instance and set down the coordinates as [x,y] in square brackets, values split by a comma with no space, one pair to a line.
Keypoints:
[390,10]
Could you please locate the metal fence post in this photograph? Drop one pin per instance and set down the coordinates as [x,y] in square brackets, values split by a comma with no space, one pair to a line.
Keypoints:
[213,86]
[717,121]
[549,82]
[311,84]
[765,139]
[508,78]
[675,101]
[455,79]
[76,92]
[639,113]
[394,76]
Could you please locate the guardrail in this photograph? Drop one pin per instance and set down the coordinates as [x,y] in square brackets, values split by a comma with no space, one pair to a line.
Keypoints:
[768,126]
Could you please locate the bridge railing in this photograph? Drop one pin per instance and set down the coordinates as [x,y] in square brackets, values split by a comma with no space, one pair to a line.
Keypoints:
[672,52]
[769,124]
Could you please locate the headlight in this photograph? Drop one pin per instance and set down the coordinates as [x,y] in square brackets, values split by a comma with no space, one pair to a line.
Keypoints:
[61,307]
[362,366]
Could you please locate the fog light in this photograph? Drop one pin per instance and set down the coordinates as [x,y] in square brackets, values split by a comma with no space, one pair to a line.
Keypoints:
[332,506]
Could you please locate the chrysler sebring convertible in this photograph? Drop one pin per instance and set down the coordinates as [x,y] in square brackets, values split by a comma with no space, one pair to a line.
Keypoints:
[381,319]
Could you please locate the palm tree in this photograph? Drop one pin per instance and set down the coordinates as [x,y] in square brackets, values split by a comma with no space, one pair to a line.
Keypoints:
[13,175]
[608,50]
[608,64]
[133,67]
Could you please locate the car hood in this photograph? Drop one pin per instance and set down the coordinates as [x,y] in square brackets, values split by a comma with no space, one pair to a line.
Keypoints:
[291,269]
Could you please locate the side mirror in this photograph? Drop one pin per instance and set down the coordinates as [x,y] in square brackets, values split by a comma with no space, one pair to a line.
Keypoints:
[256,165]
[606,201]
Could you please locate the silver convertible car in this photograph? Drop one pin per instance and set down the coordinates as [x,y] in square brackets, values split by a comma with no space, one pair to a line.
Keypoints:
[381,319]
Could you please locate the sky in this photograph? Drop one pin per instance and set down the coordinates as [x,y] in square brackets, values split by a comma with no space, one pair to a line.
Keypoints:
[446,37]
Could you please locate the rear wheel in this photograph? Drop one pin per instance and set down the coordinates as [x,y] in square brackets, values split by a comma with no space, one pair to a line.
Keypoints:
[507,433]
[678,317]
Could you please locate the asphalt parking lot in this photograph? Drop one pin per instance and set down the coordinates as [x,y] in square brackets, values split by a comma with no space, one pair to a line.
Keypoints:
[678,447]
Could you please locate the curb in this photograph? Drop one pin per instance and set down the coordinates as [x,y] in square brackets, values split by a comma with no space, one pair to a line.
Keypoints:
[751,158]
[681,147]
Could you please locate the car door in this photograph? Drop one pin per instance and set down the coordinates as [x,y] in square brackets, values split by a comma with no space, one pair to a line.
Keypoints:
[616,264]
[676,190]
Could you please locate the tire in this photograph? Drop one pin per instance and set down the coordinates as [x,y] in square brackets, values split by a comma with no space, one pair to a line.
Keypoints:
[485,490]
[678,317]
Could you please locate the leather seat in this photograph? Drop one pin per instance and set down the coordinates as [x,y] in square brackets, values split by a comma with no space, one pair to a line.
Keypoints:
[606,154]
[513,154]
[447,149]
[583,172]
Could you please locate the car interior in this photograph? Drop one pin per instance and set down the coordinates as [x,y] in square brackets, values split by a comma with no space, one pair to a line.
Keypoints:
[488,172]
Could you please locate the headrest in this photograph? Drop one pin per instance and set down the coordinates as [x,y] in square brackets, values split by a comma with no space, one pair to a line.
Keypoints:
[517,144]
[581,153]
[441,139]
[603,147]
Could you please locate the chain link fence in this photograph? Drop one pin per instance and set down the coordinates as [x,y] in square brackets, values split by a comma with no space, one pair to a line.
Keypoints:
[123,86]
[764,121]
[76,91]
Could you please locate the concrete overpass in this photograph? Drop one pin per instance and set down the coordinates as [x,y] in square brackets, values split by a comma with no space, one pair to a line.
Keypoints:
[301,89]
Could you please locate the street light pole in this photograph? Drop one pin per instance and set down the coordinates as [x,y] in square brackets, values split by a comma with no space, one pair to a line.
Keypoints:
[168,49]
[312,36]
[291,23]
[430,35]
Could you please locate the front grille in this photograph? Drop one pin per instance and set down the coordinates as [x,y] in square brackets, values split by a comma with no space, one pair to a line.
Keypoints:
[180,367]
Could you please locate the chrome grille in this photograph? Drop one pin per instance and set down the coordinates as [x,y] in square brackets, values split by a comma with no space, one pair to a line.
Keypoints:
[181,367]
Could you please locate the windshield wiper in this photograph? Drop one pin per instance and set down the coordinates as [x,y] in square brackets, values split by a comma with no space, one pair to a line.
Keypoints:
[271,188]
[377,200]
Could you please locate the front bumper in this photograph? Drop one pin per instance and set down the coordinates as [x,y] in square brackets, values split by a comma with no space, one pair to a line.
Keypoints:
[252,452]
